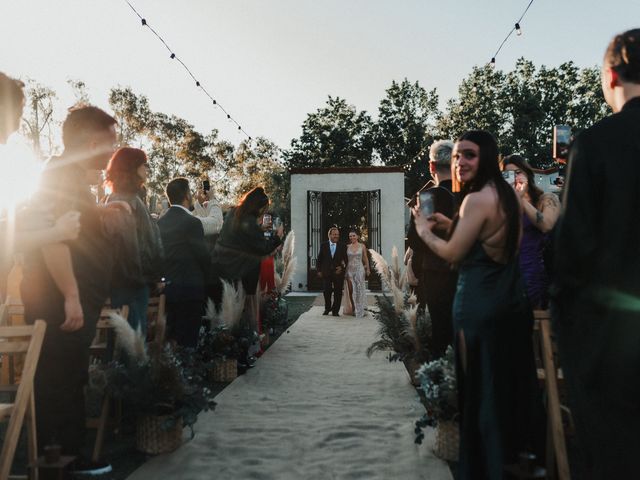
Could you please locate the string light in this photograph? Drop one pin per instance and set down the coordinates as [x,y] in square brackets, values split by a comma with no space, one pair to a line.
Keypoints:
[173,56]
[516,28]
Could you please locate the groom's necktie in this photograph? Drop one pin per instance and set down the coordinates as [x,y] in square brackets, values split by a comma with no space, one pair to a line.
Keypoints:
[332,246]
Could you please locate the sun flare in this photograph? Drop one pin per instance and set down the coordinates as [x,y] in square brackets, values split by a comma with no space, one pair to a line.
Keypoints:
[19,174]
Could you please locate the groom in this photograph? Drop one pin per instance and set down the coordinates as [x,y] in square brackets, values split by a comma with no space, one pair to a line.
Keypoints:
[331,265]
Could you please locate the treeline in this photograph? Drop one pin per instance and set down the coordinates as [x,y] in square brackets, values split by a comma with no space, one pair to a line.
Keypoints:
[520,107]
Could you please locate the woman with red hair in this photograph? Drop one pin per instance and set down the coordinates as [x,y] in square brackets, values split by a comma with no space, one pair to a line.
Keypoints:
[140,266]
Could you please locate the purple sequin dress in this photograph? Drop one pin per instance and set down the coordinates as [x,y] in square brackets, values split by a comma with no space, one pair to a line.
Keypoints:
[532,264]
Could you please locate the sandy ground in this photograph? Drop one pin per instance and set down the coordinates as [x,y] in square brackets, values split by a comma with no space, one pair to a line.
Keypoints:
[315,407]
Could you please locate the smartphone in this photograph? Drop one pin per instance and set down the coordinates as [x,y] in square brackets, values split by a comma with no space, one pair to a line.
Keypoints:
[206,186]
[509,176]
[561,141]
[427,207]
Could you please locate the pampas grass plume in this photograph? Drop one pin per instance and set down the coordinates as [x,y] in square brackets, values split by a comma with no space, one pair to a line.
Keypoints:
[128,339]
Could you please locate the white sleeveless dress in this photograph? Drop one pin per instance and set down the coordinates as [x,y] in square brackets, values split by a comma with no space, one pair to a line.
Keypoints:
[356,274]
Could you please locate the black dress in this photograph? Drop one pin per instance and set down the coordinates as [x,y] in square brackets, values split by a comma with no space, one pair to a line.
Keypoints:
[497,392]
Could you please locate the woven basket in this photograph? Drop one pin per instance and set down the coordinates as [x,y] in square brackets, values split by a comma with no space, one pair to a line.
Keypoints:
[152,439]
[224,370]
[447,440]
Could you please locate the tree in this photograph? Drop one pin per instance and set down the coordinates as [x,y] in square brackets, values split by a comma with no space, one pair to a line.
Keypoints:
[334,136]
[39,123]
[133,114]
[79,89]
[522,106]
[405,128]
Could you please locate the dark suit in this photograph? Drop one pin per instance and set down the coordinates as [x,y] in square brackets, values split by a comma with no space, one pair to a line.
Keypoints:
[187,264]
[436,280]
[333,282]
[596,290]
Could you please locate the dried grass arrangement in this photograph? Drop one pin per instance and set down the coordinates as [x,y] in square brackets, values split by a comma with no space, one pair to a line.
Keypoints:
[404,329]
[289,264]
[156,380]
[274,308]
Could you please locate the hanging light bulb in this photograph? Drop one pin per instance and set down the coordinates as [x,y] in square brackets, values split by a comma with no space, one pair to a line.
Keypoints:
[518,29]
[493,62]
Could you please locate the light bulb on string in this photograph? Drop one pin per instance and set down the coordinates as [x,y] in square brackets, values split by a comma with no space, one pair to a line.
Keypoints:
[518,29]
[493,62]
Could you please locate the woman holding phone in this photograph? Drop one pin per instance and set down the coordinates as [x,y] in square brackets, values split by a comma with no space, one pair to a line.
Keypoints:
[540,213]
[242,245]
[492,319]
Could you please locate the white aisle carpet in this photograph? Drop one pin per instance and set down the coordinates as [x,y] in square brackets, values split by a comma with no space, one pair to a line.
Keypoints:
[314,407]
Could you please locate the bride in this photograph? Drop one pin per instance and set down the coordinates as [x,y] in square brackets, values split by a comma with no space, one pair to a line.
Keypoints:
[357,269]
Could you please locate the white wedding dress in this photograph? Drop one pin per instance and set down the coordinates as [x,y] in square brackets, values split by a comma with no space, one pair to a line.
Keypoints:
[356,275]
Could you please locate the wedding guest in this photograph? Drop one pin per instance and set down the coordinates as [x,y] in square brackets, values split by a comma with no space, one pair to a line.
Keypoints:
[540,213]
[597,264]
[356,273]
[186,266]
[331,265]
[66,284]
[142,268]
[492,319]
[242,246]
[436,279]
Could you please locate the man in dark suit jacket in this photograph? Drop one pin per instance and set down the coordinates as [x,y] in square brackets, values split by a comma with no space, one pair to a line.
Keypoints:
[436,280]
[332,265]
[596,287]
[187,264]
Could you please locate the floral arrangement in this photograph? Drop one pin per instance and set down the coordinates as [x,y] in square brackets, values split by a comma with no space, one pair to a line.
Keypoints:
[404,328]
[275,311]
[156,379]
[438,383]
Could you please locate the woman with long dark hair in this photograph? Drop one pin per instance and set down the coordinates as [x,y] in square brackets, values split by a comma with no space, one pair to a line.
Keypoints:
[133,276]
[242,245]
[492,318]
[540,213]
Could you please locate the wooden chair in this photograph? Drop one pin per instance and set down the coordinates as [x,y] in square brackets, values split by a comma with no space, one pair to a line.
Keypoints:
[557,460]
[23,408]
[102,351]
[11,314]
[156,318]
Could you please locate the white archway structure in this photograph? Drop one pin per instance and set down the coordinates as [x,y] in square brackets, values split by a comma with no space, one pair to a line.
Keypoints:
[385,186]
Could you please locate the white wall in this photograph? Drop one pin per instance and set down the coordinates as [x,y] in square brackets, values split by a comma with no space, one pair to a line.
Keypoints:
[392,208]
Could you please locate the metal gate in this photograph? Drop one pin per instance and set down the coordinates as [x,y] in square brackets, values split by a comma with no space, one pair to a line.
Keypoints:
[314,238]
[318,224]
[374,224]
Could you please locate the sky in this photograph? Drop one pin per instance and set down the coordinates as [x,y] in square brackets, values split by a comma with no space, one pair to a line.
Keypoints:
[271,62]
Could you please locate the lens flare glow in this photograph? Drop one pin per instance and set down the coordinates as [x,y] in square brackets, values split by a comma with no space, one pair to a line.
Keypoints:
[19,174]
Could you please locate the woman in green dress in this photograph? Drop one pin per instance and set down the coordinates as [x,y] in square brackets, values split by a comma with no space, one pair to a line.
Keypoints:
[492,318]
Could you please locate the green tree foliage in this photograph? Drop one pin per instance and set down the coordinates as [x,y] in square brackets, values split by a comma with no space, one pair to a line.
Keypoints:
[260,163]
[522,106]
[336,135]
[405,128]
[133,114]
[39,124]
[406,122]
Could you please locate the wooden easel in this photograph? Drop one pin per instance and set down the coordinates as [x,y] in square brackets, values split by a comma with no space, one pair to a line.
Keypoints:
[557,459]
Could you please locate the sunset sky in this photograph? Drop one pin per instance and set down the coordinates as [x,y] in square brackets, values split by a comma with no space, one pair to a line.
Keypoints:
[270,62]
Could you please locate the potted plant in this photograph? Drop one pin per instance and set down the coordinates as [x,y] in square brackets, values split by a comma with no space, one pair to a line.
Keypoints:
[404,329]
[438,383]
[164,386]
[219,345]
